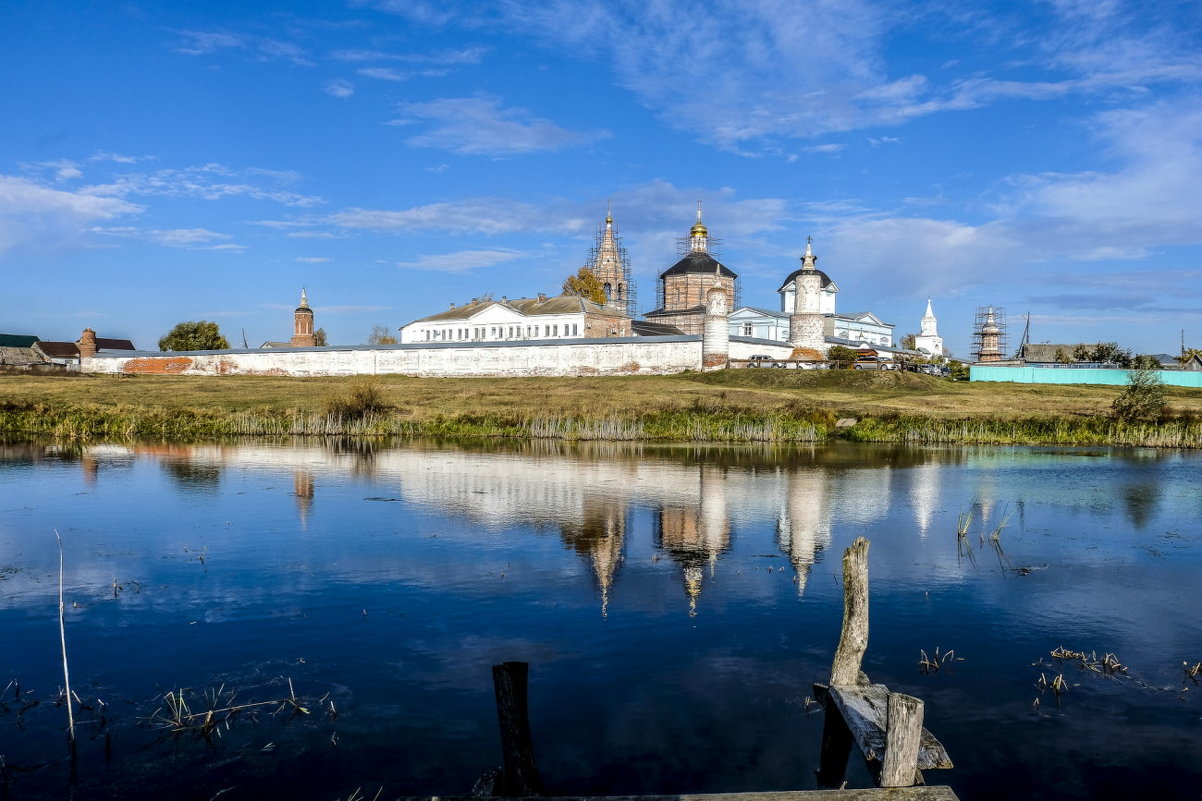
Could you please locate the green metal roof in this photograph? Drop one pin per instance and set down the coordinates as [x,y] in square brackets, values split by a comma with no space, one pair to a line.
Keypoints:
[17,340]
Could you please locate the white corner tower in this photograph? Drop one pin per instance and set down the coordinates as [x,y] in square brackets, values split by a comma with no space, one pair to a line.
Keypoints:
[928,338]
[806,322]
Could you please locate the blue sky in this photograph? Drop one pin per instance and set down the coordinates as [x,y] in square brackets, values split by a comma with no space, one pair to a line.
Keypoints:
[174,161]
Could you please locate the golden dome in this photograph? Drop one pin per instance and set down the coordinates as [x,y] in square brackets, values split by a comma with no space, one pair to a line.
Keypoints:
[699,229]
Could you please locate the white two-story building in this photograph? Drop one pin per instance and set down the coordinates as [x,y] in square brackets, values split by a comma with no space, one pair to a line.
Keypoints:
[504,320]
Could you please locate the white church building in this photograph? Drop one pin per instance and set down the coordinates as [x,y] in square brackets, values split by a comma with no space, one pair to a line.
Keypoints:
[928,342]
[847,328]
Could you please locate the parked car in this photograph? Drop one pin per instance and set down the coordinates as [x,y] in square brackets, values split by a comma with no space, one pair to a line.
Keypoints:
[760,360]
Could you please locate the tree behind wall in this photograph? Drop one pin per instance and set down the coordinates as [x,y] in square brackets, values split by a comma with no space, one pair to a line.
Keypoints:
[584,284]
[380,336]
[201,335]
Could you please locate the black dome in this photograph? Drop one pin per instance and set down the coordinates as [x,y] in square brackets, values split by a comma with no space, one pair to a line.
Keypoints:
[826,279]
[698,262]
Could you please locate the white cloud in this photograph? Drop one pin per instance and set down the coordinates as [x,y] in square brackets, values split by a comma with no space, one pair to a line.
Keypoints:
[1145,203]
[64,169]
[466,55]
[210,182]
[339,88]
[657,208]
[197,43]
[461,261]
[188,238]
[31,213]
[382,74]
[312,259]
[203,43]
[471,215]
[745,74]
[481,126]
[827,148]
[119,158]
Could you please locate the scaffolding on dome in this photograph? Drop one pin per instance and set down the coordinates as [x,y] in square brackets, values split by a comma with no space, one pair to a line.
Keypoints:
[989,336]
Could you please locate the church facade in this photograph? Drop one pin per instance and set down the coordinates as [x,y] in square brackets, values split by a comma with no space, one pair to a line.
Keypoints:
[683,286]
[928,340]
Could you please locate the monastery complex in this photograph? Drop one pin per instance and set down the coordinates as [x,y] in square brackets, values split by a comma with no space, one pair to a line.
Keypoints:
[697,324]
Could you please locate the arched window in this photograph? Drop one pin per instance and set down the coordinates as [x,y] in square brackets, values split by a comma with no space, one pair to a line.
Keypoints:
[608,291]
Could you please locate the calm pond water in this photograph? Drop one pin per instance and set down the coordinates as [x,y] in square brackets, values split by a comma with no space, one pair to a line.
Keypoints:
[675,605]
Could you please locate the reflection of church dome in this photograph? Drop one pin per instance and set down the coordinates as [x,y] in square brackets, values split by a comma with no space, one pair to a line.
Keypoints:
[695,536]
[601,537]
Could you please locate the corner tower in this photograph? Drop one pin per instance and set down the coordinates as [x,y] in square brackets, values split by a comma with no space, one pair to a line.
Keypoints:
[302,325]
[806,321]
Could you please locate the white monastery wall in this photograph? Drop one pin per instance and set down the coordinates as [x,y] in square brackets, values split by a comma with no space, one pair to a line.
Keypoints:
[575,357]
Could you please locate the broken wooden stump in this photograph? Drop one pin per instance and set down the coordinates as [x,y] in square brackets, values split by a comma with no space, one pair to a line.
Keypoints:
[886,726]
[853,639]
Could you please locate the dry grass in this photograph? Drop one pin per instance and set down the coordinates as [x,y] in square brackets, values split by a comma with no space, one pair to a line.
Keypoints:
[851,393]
[734,405]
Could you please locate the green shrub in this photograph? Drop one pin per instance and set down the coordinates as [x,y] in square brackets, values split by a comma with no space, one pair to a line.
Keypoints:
[359,400]
[1143,399]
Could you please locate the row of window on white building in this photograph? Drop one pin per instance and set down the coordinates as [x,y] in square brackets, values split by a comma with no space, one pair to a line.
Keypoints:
[501,332]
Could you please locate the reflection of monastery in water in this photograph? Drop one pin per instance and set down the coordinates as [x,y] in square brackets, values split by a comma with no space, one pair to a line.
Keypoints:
[599,499]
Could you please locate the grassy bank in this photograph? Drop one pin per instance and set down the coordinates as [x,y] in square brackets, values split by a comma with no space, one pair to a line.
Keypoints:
[727,406]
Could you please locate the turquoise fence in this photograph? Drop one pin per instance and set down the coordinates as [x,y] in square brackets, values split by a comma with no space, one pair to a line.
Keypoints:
[1074,375]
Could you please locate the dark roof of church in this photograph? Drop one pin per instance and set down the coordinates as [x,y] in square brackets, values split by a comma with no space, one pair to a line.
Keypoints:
[698,262]
[826,279]
[646,328]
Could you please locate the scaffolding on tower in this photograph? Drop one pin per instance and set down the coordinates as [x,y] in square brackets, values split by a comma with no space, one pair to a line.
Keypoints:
[626,292]
[989,337]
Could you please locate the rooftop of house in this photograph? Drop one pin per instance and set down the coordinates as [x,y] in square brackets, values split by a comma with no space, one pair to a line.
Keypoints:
[528,307]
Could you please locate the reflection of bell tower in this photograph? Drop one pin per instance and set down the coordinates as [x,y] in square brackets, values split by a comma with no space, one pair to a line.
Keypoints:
[302,488]
[924,495]
[803,528]
[91,467]
[696,536]
[601,536]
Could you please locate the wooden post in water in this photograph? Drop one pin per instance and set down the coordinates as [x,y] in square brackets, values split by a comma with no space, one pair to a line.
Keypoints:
[903,735]
[521,775]
[853,639]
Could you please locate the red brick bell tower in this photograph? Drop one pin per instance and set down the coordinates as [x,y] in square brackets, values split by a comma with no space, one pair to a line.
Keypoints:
[302,330]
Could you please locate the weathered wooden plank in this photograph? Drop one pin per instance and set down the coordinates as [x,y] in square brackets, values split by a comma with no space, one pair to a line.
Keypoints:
[903,736]
[873,794]
[517,747]
[865,710]
[853,639]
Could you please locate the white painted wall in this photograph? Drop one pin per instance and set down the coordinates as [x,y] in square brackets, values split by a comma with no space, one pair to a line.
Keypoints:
[660,355]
